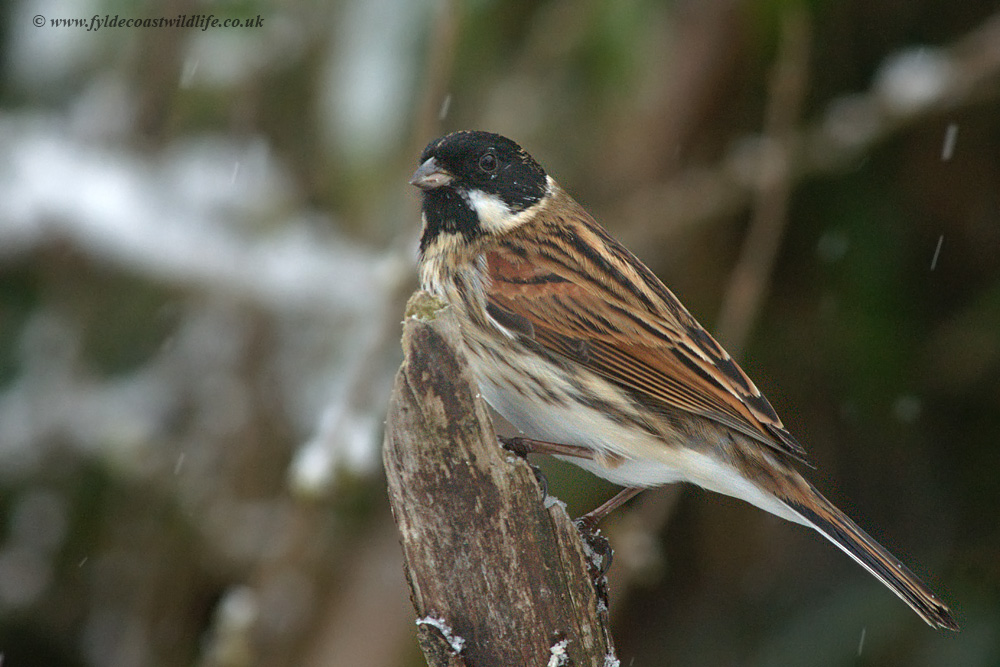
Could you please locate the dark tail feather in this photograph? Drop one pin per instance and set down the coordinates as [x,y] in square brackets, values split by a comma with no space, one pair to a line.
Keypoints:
[839,529]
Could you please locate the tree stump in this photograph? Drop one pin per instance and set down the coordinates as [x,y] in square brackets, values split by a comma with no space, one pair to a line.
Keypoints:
[498,572]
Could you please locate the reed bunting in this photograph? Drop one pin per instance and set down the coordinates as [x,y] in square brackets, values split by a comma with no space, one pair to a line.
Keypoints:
[583,349]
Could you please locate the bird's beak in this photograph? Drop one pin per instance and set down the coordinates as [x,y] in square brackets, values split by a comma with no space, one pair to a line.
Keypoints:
[430,175]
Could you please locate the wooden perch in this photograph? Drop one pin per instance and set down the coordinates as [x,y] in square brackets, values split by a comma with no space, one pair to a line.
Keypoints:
[498,575]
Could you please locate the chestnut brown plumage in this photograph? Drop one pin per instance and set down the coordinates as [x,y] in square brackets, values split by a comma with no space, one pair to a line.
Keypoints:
[581,347]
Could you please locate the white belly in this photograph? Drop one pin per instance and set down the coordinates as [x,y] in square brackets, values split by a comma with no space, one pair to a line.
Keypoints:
[640,458]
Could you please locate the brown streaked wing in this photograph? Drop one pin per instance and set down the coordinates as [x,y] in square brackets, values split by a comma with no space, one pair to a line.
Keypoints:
[643,351]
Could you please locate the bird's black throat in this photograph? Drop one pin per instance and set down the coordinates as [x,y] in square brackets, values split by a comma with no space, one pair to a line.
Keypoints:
[446,211]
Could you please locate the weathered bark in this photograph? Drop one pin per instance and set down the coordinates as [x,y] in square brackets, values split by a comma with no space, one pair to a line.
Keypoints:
[498,575]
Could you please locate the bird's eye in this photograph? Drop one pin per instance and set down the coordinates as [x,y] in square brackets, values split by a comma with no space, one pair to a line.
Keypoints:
[488,163]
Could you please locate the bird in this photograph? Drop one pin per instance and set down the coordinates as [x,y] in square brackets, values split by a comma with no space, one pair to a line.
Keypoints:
[593,359]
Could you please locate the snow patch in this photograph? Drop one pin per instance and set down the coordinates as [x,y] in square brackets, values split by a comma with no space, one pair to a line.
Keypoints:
[557,654]
[457,643]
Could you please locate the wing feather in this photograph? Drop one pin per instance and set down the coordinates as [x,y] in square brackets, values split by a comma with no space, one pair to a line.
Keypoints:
[569,295]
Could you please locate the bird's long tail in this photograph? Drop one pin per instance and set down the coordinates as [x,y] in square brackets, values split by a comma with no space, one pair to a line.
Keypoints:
[833,524]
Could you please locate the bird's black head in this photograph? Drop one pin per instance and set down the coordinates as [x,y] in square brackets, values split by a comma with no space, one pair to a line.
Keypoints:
[475,183]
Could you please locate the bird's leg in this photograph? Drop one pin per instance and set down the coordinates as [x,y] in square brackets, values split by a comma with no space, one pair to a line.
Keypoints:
[590,520]
[600,554]
[524,446]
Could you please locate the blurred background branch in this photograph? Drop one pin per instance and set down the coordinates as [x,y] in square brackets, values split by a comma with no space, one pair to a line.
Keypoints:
[786,92]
